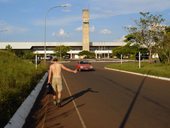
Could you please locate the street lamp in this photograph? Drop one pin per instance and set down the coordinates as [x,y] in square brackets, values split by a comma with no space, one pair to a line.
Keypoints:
[63,5]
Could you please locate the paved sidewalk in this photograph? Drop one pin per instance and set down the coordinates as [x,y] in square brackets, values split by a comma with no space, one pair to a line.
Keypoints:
[46,115]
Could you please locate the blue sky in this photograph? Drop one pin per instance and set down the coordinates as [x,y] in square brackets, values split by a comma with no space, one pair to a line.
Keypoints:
[23,20]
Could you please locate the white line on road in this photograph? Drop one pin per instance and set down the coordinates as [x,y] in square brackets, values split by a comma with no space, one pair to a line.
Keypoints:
[140,74]
[77,110]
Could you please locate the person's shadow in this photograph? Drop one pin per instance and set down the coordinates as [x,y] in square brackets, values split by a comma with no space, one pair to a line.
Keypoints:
[67,100]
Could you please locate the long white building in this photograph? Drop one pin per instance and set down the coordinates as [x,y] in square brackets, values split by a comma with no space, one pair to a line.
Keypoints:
[101,49]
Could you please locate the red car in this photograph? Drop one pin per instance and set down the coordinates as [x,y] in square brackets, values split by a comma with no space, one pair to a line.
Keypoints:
[84,66]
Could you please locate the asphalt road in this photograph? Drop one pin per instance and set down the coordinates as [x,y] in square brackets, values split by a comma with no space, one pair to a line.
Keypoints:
[106,99]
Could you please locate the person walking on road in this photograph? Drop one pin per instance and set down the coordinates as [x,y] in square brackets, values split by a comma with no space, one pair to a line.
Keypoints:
[55,79]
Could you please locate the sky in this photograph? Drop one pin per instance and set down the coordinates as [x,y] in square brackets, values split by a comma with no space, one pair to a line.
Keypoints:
[24,20]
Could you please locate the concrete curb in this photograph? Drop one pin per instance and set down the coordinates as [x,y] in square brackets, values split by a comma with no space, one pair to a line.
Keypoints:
[19,117]
[151,76]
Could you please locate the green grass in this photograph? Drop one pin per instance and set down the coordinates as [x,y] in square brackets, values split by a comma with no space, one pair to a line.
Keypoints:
[156,69]
[17,79]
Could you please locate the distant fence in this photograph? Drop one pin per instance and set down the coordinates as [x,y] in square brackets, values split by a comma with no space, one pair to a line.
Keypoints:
[19,117]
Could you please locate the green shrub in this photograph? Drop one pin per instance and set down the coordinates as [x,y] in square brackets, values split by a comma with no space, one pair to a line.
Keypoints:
[17,78]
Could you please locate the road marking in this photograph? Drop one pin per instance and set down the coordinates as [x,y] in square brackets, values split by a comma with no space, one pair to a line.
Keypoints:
[140,74]
[77,110]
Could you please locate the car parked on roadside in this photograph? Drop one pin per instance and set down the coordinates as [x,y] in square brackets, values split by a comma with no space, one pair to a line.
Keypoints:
[84,66]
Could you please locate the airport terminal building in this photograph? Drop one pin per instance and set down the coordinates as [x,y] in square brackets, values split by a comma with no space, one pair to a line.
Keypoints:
[101,49]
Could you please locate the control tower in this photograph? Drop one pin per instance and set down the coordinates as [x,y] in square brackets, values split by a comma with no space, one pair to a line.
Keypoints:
[85,30]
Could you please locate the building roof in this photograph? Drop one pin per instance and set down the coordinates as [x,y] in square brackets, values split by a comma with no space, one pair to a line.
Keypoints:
[29,45]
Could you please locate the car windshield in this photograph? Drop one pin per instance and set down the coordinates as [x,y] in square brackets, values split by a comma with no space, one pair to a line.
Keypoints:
[84,62]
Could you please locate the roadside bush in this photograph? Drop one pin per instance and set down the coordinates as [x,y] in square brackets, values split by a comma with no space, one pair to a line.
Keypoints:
[17,78]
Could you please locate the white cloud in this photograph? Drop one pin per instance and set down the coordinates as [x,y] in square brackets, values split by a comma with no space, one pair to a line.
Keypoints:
[105,31]
[60,33]
[92,29]
[78,29]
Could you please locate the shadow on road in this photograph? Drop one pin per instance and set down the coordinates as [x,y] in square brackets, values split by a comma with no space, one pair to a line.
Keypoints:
[125,119]
[75,96]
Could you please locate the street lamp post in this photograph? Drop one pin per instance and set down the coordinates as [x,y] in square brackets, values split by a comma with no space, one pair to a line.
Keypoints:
[45,20]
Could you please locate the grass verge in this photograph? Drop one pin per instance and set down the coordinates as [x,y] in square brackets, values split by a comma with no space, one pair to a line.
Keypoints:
[156,69]
[17,79]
